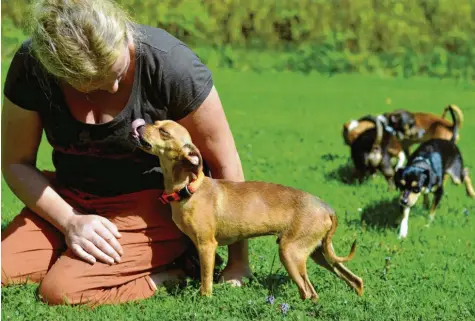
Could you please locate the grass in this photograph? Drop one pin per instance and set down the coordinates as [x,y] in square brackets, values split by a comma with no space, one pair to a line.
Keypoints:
[287,129]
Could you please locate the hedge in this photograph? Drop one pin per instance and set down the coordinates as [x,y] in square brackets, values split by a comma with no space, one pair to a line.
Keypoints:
[398,38]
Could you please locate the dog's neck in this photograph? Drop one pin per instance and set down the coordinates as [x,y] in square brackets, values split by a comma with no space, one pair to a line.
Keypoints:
[175,180]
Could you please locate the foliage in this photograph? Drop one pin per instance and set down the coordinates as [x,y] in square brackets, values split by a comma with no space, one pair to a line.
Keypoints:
[391,37]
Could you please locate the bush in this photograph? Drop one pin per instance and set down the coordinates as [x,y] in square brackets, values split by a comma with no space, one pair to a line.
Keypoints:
[399,38]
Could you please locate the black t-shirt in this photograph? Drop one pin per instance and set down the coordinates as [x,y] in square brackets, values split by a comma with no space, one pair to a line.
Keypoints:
[170,81]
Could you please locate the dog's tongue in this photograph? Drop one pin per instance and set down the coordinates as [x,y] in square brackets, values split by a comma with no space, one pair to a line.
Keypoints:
[136,124]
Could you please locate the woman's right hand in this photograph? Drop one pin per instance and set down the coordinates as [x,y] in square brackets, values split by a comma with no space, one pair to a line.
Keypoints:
[93,237]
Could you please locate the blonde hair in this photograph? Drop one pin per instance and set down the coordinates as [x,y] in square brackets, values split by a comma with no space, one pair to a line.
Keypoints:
[79,40]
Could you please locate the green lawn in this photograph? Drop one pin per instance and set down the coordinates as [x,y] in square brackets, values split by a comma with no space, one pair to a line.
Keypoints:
[288,130]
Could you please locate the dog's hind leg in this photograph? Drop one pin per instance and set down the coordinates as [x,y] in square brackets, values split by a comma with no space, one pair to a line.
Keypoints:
[401,156]
[387,170]
[294,255]
[325,256]
[468,183]
[339,270]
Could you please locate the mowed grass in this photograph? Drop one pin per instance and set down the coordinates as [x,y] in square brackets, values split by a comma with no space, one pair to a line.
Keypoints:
[288,130]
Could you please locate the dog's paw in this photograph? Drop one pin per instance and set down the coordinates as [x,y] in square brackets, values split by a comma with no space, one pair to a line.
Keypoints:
[430,221]
[402,233]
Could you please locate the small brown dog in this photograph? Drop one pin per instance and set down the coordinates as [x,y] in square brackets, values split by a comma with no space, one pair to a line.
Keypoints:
[214,212]
[415,128]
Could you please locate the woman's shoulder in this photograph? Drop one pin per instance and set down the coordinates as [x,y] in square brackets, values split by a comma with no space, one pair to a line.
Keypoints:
[26,83]
[157,40]
[24,54]
[164,55]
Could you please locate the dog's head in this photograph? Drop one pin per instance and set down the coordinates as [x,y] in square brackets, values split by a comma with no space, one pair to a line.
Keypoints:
[169,141]
[412,181]
[402,121]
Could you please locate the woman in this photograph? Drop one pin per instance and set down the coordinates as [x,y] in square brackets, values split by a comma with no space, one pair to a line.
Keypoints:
[94,231]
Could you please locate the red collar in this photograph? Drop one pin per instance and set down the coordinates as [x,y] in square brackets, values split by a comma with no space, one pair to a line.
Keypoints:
[185,192]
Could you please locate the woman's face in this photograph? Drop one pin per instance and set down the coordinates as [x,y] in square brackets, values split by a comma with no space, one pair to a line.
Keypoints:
[111,80]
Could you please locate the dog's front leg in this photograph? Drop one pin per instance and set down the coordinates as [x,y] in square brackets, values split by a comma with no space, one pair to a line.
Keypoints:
[207,252]
[406,148]
[404,227]
[426,201]
[437,197]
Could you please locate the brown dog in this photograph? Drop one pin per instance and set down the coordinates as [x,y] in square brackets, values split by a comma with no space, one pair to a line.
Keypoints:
[414,128]
[214,212]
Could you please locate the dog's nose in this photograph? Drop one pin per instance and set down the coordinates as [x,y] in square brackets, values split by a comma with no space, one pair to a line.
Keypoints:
[403,201]
[137,127]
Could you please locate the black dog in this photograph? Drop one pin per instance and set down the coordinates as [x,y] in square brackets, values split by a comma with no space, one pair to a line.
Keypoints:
[373,151]
[426,172]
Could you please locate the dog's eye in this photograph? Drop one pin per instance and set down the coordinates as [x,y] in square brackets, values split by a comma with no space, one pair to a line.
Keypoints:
[164,133]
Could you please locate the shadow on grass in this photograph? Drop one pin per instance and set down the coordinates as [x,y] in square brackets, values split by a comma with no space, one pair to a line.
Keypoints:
[382,214]
[273,282]
[344,173]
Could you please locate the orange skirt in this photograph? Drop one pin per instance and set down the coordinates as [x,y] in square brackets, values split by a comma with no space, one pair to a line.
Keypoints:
[33,250]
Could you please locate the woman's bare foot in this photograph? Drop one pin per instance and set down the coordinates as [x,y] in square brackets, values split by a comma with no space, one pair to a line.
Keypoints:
[173,275]
[238,264]
[233,273]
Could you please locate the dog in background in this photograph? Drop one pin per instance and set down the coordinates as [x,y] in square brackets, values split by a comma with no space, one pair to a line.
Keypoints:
[214,212]
[414,128]
[373,149]
[426,172]
[354,128]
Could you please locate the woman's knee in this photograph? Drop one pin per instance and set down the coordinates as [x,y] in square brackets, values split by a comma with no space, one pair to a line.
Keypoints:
[55,290]
[67,283]
[24,241]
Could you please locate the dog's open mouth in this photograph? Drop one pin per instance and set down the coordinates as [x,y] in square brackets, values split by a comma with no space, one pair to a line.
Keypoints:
[138,127]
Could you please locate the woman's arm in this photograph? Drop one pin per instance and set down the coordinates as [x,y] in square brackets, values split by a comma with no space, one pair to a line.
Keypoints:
[21,137]
[212,135]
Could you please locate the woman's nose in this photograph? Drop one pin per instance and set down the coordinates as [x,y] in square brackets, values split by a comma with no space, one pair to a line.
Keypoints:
[112,87]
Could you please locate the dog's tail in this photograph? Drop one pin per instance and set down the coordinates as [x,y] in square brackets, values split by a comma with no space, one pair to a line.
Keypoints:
[328,246]
[457,120]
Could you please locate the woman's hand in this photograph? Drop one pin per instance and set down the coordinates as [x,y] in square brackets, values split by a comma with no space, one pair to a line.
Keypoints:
[93,237]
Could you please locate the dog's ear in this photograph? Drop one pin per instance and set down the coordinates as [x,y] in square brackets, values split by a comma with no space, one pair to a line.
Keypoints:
[192,158]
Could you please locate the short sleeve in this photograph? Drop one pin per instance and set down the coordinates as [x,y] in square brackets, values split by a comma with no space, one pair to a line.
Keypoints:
[22,86]
[185,83]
